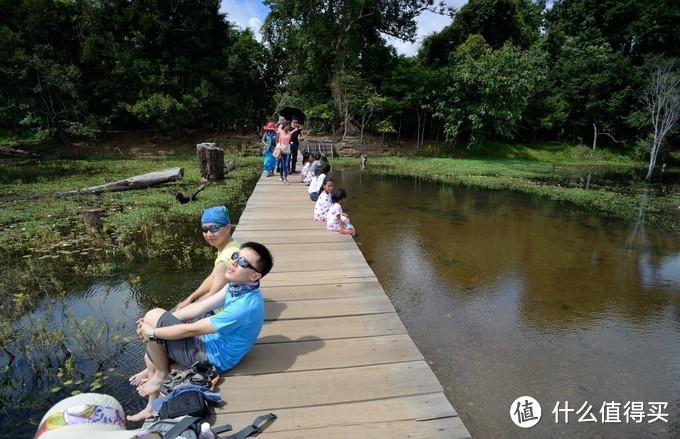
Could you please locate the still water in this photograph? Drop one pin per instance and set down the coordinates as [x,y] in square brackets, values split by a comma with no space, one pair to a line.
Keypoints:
[509,295]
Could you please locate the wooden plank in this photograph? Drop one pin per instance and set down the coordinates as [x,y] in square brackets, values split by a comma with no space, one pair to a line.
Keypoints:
[416,414]
[288,292]
[275,224]
[310,352]
[338,245]
[301,309]
[333,386]
[317,276]
[329,328]
[273,236]
[288,264]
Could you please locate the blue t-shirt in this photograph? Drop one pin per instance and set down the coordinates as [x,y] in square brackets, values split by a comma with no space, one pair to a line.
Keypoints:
[237,325]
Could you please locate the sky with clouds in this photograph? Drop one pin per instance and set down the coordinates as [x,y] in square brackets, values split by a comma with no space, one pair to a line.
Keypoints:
[251,13]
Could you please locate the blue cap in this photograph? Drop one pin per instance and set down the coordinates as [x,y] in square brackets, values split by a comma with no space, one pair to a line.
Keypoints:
[217,215]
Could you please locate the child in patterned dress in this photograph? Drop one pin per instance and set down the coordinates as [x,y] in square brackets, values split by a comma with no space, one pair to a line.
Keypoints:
[335,219]
[323,203]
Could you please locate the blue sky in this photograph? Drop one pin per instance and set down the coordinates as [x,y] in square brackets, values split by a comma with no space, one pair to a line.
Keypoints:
[251,13]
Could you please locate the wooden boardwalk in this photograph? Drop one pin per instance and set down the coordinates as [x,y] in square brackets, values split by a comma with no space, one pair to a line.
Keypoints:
[333,359]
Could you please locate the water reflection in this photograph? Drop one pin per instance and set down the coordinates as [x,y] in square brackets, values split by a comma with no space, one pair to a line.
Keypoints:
[105,359]
[509,295]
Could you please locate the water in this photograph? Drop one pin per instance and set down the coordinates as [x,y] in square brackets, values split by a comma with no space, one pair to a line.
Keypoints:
[106,362]
[509,295]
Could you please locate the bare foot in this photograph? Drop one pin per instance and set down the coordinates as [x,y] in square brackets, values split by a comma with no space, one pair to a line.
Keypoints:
[139,378]
[152,385]
[148,411]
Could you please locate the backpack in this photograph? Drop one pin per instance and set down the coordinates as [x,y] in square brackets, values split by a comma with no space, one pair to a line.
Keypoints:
[185,426]
[190,427]
[189,402]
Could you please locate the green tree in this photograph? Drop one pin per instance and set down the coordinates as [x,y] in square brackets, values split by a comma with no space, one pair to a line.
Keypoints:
[596,84]
[497,21]
[321,37]
[488,96]
[634,28]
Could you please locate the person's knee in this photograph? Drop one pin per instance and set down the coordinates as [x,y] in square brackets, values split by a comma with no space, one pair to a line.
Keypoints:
[152,316]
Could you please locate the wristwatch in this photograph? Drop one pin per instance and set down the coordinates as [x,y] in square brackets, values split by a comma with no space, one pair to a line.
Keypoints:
[152,336]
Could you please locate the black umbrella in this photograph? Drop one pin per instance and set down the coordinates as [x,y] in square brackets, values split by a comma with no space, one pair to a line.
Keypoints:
[290,112]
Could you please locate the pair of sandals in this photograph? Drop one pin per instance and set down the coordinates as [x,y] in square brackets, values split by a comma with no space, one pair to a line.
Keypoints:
[201,374]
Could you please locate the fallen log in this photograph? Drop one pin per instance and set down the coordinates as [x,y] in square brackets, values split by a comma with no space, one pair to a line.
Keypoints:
[137,182]
[11,152]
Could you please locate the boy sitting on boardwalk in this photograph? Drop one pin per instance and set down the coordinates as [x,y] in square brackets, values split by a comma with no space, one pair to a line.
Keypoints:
[222,339]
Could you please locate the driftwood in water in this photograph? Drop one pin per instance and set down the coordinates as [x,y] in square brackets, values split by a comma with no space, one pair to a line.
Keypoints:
[192,196]
[137,182]
[10,152]
[210,161]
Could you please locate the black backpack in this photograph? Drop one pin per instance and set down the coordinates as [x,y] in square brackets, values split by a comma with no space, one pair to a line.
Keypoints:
[186,403]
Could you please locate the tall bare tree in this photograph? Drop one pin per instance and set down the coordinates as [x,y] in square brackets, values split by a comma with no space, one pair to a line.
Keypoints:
[663,103]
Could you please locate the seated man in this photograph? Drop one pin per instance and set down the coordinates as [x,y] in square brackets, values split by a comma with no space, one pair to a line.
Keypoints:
[217,232]
[222,339]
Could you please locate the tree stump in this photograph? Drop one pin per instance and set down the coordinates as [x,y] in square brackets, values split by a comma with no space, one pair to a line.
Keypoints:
[93,220]
[210,161]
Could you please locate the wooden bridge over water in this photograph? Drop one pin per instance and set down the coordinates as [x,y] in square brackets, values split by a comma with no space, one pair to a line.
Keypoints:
[333,359]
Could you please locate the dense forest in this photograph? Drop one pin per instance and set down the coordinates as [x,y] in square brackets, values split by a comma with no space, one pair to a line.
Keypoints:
[579,70]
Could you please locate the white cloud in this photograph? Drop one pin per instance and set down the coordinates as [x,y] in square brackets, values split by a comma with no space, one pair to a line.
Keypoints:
[255,22]
[245,14]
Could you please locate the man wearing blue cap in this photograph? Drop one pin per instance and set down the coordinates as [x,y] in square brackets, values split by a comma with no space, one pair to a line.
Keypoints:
[216,230]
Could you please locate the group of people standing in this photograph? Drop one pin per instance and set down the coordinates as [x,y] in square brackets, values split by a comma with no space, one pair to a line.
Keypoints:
[281,141]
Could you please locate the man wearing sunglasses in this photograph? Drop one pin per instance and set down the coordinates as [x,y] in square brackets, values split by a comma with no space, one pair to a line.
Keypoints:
[222,339]
[216,230]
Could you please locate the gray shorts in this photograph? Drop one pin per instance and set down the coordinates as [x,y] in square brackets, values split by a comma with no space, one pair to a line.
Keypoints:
[185,351]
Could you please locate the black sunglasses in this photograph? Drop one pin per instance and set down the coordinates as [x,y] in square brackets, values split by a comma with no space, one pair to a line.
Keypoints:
[242,262]
[214,228]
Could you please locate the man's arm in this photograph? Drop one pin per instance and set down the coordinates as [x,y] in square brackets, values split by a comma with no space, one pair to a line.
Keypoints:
[180,331]
[210,286]
[200,291]
[198,309]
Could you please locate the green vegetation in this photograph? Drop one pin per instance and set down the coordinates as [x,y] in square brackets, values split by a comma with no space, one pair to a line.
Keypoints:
[45,237]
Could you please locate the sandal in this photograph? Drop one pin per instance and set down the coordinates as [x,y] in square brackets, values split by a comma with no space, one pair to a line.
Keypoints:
[174,379]
[200,374]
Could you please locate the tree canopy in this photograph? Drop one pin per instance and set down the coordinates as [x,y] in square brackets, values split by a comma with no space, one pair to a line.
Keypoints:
[500,69]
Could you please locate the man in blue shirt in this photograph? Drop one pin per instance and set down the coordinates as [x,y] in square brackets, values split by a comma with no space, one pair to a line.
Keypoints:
[222,339]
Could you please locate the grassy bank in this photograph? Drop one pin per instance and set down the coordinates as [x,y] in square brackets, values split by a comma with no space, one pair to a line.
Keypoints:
[44,238]
[598,182]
